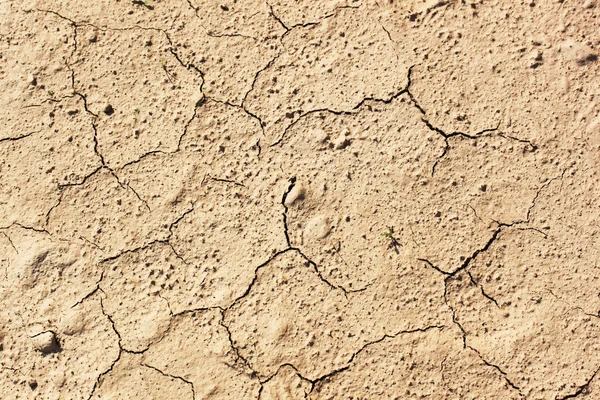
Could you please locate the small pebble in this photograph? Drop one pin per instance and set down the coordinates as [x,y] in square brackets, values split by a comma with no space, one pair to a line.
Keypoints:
[297,193]
[46,342]
[92,37]
[589,4]
[108,109]
[341,142]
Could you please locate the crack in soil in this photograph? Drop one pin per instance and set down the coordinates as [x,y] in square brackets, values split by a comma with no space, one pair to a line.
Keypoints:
[320,380]
[241,362]
[190,383]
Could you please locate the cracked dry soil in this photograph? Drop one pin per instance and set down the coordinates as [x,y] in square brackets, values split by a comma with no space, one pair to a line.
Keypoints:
[324,199]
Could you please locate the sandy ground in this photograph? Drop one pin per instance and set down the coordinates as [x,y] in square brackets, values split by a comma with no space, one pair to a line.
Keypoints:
[324,199]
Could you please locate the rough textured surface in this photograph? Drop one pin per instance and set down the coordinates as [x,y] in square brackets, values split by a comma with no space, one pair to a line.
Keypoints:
[325,199]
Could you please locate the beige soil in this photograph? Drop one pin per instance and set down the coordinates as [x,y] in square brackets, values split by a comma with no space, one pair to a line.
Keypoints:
[323,199]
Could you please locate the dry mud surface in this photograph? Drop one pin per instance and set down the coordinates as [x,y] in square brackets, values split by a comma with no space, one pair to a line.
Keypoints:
[324,199]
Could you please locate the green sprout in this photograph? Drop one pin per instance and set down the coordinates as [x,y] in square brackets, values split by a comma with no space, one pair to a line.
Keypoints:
[163,64]
[393,242]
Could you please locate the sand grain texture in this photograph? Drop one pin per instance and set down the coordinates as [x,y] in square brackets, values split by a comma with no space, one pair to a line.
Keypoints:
[357,199]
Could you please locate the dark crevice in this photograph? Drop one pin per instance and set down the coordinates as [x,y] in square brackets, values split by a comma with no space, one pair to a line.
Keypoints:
[115,361]
[114,327]
[212,178]
[472,257]
[387,33]
[394,96]
[93,292]
[279,21]
[86,107]
[109,317]
[172,377]
[239,358]
[243,108]
[298,374]
[193,8]
[438,269]
[289,29]
[14,139]
[410,95]
[83,181]
[31,228]
[181,217]
[220,35]
[138,197]
[447,136]
[475,212]
[483,292]
[583,389]
[255,278]
[10,241]
[355,109]
[256,75]
[540,190]
[318,381]
[189,122]
[304,115]
[497,368]
[134,250]
[528,142]
[142,157]
[51,12]
[165,241]
[455,320]
[259,148]
[458,133]
[50,100]
[285,208]
[321,379]
[199,309]
[326,281]
[441,156]
[96,145]
[292,366]
[177,255]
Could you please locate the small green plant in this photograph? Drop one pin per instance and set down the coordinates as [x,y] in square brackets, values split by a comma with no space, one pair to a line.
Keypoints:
[163,64]
[393,242]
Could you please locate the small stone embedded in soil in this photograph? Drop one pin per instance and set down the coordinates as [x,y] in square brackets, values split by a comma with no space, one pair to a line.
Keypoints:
[92,37]
[108,109]
[46,342]
[297,193]
[535,58]
[341,142]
